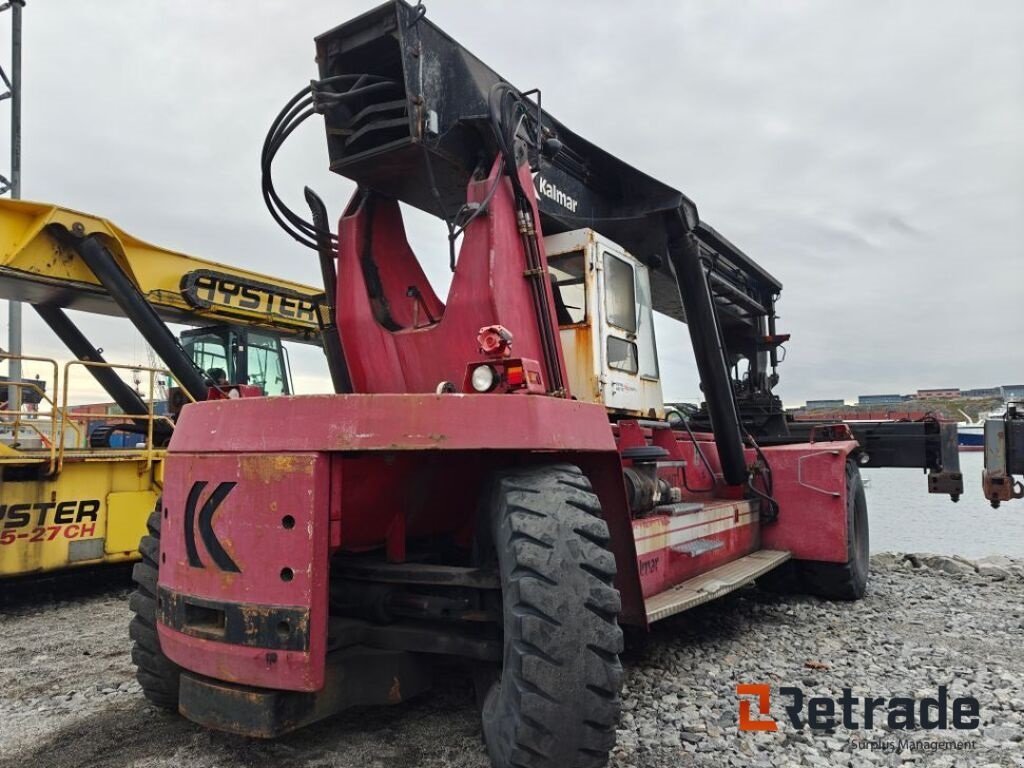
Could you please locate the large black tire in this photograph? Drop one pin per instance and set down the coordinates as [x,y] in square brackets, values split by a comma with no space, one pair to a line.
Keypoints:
[556,701]
[832,581]
[849,580]
[158,675]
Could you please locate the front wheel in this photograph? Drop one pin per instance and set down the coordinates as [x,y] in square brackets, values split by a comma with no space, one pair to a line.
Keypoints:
[555,702]
[157,674]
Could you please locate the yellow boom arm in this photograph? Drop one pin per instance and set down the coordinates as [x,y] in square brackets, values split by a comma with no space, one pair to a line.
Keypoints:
[36,267]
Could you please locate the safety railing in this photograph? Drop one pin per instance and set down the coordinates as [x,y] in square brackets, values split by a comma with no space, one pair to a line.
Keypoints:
[148,449]
[37,422]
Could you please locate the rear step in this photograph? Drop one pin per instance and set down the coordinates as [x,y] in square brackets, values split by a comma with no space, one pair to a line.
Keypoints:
[715,583]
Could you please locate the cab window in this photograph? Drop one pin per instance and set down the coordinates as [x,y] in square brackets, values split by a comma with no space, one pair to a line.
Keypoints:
[620,293]
[622,355]
[209,351]
[568,278]
[265,365]
[645,333]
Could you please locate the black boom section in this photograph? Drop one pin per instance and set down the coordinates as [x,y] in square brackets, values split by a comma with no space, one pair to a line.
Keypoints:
[127,399]
[408,115]
[418,129]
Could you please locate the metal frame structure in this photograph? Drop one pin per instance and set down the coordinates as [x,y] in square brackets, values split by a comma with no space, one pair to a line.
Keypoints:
[13,185]
[105,270]
[12,85]
[295,571]
[51,462]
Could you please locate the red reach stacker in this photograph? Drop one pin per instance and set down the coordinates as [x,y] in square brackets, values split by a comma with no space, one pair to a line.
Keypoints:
[494,480]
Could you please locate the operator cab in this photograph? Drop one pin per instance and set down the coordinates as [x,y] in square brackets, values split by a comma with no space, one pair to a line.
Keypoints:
[235,360]
[256,358]
[606,323]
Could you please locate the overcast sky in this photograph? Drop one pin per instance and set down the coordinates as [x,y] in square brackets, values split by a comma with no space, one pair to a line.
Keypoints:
[869,154]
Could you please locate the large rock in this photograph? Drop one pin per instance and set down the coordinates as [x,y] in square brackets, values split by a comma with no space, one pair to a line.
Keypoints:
[999,567]
[886,560]
[1000,561]
[994,572]
[951,564]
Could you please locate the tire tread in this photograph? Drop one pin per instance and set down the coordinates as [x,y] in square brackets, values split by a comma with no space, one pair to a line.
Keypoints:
[157,674]
[558,703]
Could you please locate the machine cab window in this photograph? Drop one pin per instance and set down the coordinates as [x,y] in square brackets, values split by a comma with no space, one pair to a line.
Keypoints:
[208,349]
[246,357]
[266,365]
[646,342]
[620,292]
[606,321]
[568,277]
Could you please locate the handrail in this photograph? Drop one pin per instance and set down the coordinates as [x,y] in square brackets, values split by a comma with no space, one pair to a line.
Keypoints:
[150,417]
[22,414]
[63,422]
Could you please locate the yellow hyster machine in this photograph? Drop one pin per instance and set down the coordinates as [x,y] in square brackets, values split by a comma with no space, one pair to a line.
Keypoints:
[76,487]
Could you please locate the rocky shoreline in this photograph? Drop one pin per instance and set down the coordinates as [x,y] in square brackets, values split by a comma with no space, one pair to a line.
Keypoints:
[928,620]
[69,697]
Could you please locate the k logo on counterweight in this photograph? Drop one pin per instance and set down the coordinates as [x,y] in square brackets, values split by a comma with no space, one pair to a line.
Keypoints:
[213,546]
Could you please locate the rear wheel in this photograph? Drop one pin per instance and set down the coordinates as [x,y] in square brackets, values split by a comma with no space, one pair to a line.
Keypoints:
[849,580]
[833,581]
[555,702]
[157,674]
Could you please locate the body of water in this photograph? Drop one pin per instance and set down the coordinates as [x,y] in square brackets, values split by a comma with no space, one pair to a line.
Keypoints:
[904,517]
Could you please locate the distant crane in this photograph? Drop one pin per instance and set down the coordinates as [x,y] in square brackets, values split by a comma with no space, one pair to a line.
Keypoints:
[160,383]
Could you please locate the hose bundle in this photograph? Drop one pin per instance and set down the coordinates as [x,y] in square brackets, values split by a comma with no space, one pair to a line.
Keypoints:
[317,97]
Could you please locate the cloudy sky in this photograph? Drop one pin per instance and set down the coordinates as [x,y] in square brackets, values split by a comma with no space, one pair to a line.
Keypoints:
[869,154]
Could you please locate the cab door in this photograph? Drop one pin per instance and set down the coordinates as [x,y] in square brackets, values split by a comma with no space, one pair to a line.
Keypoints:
[266,364]
[630,378]
[618,351]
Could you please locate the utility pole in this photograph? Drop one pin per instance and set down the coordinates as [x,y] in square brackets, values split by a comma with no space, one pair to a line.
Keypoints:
[14,185]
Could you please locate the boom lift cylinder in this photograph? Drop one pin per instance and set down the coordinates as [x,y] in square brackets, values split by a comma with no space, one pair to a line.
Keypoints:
[99,259]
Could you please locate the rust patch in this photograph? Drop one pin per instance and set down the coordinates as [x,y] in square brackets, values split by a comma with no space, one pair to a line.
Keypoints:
[395,693]
[274,467]
[580,364]
[345,436]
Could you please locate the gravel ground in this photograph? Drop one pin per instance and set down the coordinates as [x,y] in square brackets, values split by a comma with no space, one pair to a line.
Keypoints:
[70,698]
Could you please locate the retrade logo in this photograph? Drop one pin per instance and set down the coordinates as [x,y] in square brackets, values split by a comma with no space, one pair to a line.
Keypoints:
[825,713]
[221,559]
[764,695]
